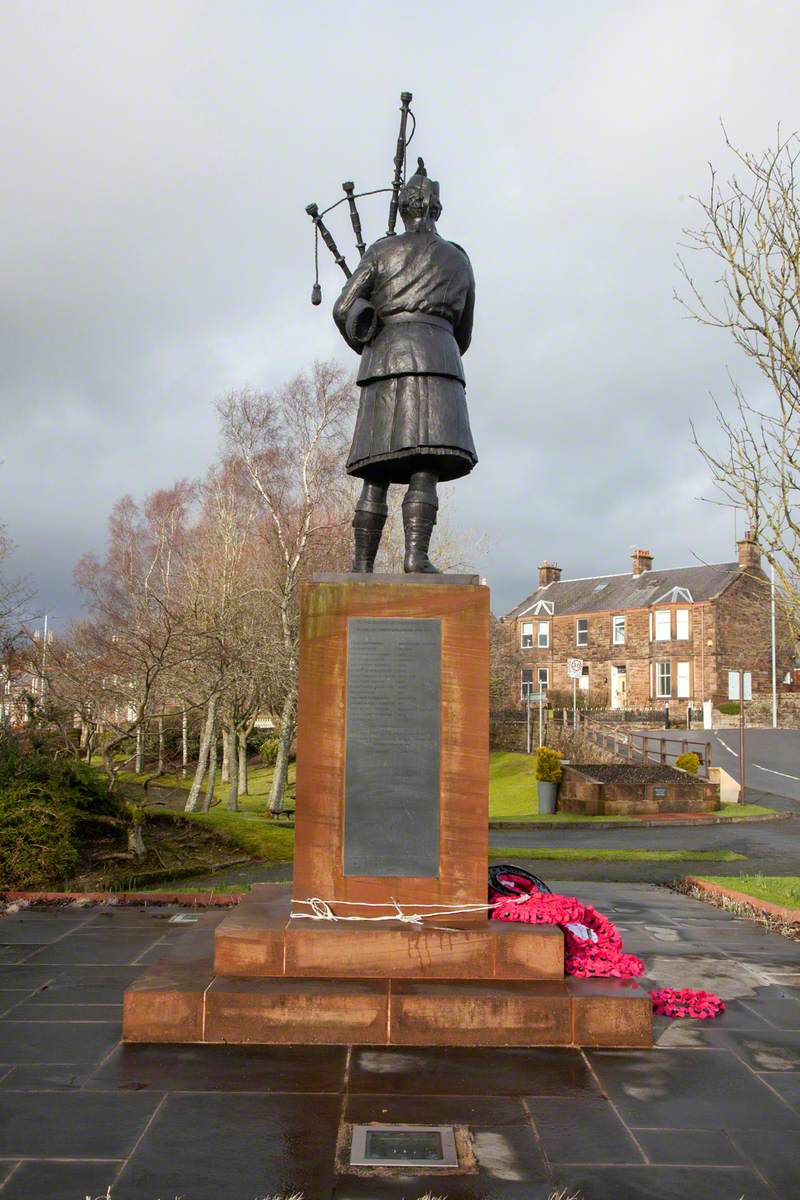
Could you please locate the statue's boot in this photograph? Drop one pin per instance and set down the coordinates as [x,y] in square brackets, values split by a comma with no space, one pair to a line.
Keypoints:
[419,518]
[367,529]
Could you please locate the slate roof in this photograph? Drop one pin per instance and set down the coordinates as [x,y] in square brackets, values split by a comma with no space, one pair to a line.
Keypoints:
[608,593]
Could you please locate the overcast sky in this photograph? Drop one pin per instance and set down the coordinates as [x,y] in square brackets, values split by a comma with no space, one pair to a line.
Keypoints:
[157,158]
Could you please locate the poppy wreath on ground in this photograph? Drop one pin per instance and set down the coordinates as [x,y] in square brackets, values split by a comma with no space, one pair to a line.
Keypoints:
[685,1002]
[593,945]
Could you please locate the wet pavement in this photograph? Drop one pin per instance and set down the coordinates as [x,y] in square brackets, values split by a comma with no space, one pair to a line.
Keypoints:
[713,1111]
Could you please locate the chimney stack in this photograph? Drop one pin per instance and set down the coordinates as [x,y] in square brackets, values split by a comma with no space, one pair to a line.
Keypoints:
[549,573]
[641,561]
[749,551]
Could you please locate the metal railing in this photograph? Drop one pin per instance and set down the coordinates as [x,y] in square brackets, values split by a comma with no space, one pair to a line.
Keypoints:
[648,748]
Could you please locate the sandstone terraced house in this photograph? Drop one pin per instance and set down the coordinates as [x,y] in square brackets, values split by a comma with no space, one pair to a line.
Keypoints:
[652,636]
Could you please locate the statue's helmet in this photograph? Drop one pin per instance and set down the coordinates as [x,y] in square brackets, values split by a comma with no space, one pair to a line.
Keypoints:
[419,195]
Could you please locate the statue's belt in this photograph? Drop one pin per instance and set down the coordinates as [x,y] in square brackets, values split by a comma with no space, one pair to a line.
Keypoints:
[417,318]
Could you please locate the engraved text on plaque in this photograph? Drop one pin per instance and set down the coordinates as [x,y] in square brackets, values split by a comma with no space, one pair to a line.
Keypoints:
[391,798]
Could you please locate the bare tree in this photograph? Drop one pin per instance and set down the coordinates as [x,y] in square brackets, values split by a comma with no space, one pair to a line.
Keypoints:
[752,230]
[291,443]
[15,595]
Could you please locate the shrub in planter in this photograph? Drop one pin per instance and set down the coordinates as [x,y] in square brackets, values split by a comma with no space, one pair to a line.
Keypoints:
[688,762]
[730,708]
[548,765]
[36,837]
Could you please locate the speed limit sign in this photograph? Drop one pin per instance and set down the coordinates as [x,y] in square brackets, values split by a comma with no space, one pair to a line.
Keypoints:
[574,668]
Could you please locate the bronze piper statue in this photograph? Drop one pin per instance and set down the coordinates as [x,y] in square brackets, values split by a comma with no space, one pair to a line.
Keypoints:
[407,309]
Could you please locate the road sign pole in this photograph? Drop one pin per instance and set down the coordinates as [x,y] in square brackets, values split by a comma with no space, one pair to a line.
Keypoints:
[574,703]
[741,738]
[541,703]
[528,742]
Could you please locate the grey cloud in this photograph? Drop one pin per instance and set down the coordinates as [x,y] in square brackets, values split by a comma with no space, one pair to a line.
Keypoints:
[155,252]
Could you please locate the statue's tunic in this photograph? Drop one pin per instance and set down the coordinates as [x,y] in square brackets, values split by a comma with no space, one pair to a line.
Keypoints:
[413,401]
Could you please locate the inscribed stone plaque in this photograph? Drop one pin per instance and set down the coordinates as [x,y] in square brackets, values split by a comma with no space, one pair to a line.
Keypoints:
[391,790]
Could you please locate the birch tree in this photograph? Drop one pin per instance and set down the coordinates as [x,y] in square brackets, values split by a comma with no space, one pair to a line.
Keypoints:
[751,230]
[291,443]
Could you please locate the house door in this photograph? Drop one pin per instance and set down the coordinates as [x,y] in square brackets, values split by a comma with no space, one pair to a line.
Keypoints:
[619,682]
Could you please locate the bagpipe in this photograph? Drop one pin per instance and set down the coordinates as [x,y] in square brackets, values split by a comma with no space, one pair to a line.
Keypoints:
[351,195]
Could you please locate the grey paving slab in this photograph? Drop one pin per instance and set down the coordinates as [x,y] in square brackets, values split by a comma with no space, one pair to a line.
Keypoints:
[85,985]
[708,1089]
[111,948]
[34,1180]
[26,1010]
[313,1069]
[90,1125]
[47,1077]
[776,1157]
[786,1084]
[663,1183]
[505,1146]
[203,1146]
[467,1071]
[18,952]
[581,1131]
[689,1147]
[56,1041]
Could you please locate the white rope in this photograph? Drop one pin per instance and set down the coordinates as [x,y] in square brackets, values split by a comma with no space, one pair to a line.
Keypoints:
[321,910]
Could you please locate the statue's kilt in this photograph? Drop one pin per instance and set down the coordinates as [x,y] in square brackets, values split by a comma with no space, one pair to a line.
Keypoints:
[408,417]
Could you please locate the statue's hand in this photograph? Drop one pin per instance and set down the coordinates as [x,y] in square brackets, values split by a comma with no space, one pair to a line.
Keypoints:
[361,324]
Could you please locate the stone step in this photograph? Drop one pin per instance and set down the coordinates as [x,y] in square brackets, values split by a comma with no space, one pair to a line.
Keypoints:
[185,1002]
[259,940]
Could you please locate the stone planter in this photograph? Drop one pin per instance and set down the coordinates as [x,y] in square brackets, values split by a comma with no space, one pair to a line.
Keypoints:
[547,796]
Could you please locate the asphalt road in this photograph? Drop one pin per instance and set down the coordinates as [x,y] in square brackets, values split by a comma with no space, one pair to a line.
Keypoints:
[772,756]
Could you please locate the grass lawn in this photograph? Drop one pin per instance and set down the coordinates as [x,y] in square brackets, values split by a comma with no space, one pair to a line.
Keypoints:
[777,889]
[512,795]
[249,827]
[512,787]
[510,853]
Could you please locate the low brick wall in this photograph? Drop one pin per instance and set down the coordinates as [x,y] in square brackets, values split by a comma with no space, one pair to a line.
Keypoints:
[621,790]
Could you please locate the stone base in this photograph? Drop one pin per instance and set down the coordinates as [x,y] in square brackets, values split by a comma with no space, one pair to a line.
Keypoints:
[259,940]
[165,1006]
[353,983]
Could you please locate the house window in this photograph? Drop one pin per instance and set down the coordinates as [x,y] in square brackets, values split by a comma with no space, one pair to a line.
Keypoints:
[544,635]
[663,618]
[682,624]
[527,682]
[527,635]
[618,630]
[583,682]
[684,689]
[663,680]
[544,678]
[582,632]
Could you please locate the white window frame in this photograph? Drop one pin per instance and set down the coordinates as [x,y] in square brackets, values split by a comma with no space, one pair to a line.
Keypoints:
[578,631]
[543,629]
[583,682]
[617,625]
[543,678]
[526,632]
[682,619]
[660,635]
[660,693]
[526,685]
[683,678]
